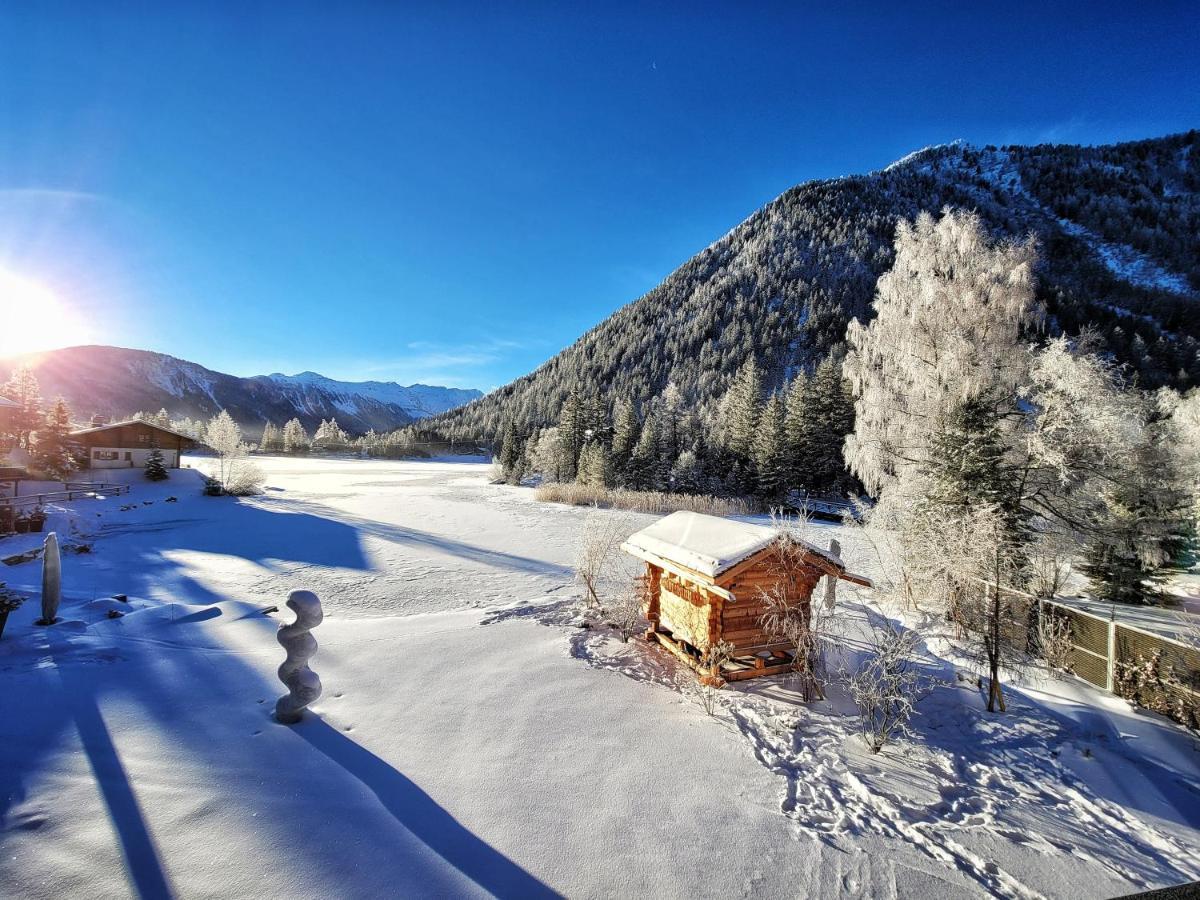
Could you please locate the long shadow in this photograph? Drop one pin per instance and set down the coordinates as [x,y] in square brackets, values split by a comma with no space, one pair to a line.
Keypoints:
[425,819]
[142,862]
[399,534]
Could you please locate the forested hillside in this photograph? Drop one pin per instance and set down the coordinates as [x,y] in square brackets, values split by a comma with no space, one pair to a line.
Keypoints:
[1118,229]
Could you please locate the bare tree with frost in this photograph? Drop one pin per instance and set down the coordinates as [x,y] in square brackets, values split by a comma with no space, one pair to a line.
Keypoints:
[949,317]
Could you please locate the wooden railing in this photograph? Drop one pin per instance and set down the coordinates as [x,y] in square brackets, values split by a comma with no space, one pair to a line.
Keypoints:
[72,490]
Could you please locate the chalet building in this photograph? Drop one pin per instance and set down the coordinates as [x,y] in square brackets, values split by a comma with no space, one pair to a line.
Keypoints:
[705,580]
[127,445]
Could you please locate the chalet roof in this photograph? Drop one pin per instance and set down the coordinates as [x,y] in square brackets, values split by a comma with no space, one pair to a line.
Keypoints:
[9,404]
[711,545]
[98,428]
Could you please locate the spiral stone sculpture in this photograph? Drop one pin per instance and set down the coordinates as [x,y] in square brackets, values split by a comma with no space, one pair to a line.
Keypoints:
[302,682]
[51,580]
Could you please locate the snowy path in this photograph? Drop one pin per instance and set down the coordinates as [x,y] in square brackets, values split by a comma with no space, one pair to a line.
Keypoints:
[462,747]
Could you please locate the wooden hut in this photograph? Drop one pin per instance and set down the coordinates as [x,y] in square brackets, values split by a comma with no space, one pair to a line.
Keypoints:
[705,580]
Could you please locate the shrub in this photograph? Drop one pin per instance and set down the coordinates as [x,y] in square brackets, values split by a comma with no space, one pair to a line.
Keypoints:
[639,501]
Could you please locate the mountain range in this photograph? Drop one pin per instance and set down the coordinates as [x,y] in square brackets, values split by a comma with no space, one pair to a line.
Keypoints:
[1119,232]
[116,382]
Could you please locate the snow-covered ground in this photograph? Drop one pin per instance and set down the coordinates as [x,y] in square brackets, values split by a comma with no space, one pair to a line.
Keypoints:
[472,740]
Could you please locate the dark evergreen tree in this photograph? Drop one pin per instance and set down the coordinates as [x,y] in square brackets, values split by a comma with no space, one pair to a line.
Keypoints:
[22,389]
[156,469]
[510,453]
[51,450]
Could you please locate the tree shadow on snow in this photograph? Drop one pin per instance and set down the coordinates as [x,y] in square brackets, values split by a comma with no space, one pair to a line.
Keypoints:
[307,818]
[416,811]
[142,862]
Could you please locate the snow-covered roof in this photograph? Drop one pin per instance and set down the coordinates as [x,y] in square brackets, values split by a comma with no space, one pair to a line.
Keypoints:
[5,402]
[711,545]
[97,428]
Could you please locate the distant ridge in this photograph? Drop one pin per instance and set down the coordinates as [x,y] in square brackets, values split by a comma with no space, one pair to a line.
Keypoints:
[116,381]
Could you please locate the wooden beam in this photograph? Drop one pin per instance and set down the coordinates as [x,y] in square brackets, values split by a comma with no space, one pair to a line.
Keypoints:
[683,572]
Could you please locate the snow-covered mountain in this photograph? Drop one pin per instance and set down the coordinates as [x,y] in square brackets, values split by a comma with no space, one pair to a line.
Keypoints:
[418,400]
[115,381]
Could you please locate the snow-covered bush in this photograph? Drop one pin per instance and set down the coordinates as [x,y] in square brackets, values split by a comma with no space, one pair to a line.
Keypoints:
[624,610]
[599,564]
[889,684]
[1054,641]
[244,478]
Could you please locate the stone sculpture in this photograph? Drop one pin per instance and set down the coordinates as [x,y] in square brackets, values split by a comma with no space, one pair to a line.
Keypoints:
[51,580]
[302,682]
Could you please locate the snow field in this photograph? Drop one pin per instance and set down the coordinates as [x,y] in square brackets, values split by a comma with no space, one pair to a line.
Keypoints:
[472,740]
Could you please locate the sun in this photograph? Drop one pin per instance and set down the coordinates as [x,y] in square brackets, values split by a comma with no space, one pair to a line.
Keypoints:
[33,317]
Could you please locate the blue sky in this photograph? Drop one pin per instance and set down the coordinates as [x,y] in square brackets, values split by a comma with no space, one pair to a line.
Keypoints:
[451,193]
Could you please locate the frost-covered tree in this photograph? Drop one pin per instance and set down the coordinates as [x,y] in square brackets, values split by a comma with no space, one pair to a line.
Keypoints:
[330,436]
[225,438]
[948,322]
[295,438]
[234,472]
[546,457]
[272,439]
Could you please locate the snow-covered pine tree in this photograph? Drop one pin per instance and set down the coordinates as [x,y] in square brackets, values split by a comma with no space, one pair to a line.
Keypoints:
[572,432]
[593,465]
[770,453]
[643,472]
[829,419]
[671,426]
[738,423]
[155,468]
[626,429]
[510,453]
[796,433]
[51,450]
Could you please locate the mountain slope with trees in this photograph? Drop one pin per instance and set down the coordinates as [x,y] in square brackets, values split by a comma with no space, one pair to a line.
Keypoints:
[117,382]
[1119,254]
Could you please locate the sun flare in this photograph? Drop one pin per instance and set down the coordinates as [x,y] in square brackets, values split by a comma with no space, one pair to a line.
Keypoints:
[33,317]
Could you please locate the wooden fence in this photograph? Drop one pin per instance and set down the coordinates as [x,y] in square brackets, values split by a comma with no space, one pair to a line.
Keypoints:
[72,490]
[1102,646]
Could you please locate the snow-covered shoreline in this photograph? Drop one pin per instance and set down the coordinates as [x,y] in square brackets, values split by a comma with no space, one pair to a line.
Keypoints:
[471,740]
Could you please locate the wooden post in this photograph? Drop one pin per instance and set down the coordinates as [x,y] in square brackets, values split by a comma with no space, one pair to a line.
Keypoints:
[652,606]
[1111,679]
